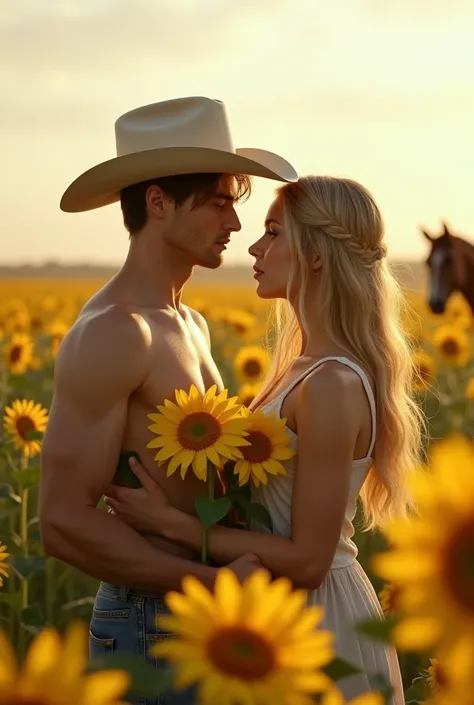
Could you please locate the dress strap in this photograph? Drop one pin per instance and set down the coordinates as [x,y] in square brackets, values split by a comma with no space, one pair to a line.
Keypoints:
[365,382]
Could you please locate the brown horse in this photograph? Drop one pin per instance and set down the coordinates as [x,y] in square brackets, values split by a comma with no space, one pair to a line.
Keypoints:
[451,267]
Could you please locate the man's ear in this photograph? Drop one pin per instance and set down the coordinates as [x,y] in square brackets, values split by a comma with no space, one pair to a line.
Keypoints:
[157,201]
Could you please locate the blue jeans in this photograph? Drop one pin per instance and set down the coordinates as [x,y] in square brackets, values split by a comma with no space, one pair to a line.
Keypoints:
[124,620]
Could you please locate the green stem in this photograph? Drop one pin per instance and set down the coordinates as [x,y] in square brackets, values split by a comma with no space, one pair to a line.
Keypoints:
[25,551]
[49,592]
[211,490]
[12,525]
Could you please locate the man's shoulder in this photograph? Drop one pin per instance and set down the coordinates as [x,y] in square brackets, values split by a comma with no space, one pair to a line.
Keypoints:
[108,326]
[112,341]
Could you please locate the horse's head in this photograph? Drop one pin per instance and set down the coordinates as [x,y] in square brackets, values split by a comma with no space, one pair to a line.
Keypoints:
[446,263]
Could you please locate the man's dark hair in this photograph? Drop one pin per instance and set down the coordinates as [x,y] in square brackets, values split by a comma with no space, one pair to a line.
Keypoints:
[179,188]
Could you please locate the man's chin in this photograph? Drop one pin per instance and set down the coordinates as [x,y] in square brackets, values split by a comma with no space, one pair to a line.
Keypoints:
[213,262]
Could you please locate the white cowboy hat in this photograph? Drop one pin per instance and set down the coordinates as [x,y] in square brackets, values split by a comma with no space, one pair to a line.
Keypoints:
[180,136]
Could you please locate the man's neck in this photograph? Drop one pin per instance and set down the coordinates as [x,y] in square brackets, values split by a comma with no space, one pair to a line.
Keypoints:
[153,279]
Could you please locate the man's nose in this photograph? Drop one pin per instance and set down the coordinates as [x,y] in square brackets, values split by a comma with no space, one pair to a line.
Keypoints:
[233,224]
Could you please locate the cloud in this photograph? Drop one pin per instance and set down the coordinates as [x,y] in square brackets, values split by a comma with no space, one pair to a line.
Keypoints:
[423,12]
[98,35]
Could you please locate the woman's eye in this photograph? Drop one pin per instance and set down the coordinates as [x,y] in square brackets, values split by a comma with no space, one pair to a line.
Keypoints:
[269,232]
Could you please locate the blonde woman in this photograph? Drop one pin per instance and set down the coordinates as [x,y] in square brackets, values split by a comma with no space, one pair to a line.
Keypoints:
[341,377]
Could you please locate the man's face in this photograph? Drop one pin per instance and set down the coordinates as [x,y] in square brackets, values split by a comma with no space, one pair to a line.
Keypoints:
[202,233]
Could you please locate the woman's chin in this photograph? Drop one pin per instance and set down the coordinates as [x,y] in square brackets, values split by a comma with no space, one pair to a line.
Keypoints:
[265,292]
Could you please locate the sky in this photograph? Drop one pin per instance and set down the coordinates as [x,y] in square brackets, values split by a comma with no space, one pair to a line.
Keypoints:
[375,90]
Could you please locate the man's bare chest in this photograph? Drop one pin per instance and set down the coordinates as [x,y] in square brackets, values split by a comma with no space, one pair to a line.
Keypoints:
[178,359]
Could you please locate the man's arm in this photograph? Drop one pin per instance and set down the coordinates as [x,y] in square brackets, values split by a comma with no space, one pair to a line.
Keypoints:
[101,363]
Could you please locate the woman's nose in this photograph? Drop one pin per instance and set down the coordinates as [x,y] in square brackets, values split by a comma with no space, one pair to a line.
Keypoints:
[256,249]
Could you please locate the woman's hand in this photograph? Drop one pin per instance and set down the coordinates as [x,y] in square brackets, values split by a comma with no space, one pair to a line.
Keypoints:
[145,508]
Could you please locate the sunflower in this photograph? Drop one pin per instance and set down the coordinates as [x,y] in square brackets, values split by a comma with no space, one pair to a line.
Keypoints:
[431,559]
[53,672]
[242,321]
[435,676]
[251,363]
[16,316]
[388,598]
[247,393]
[255,643]
[453,344]
[57,330]
[18,353]
[198,429]
[3,563]
[334,697]
[425,369]
[269,443]
[458,311]
[22,417]
[470,389]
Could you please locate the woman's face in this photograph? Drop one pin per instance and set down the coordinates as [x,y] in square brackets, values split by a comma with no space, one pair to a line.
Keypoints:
[272,256]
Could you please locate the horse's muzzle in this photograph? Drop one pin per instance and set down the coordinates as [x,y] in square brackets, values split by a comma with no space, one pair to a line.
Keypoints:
[437,305]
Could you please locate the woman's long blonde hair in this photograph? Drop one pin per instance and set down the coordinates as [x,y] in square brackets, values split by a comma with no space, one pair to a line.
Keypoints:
[361,306]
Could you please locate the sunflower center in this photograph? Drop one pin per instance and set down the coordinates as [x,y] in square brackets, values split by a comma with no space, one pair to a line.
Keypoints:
[24,425]
[241,653]
[450,347]
[439,677]
[15,353]
[36,323]
[459,565]
[252,368]
[198,431]
[260,448]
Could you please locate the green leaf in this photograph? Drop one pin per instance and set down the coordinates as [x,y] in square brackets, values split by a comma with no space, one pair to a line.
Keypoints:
[211,511]
[124,475]
[338,669]
[147,681]
[29,477]
[34,435]
[26,566]
[380,683]
[260,514]
[13,601]
[240,496]
[379,629]
[417,692]
[32,619]
[7,492]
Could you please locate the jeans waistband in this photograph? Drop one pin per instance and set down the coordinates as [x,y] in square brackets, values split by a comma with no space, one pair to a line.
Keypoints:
[123,594]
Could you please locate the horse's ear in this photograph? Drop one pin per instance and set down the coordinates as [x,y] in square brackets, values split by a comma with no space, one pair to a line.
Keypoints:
[446,230]
[427,235]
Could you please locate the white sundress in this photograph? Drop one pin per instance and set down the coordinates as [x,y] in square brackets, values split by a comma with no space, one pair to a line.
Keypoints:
[346,593]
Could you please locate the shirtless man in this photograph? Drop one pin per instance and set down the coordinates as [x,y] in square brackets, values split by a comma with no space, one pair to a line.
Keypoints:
[132,345]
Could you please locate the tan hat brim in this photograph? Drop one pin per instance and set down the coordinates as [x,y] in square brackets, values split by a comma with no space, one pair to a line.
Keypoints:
[101,185]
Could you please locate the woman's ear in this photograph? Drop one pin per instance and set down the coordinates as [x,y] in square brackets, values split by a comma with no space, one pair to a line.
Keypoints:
[317,264]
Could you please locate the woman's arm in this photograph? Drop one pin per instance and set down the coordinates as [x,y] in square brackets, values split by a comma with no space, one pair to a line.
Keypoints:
[327,415]
[328,424]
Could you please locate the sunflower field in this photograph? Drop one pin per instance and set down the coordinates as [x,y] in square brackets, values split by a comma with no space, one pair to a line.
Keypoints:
[36,590]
